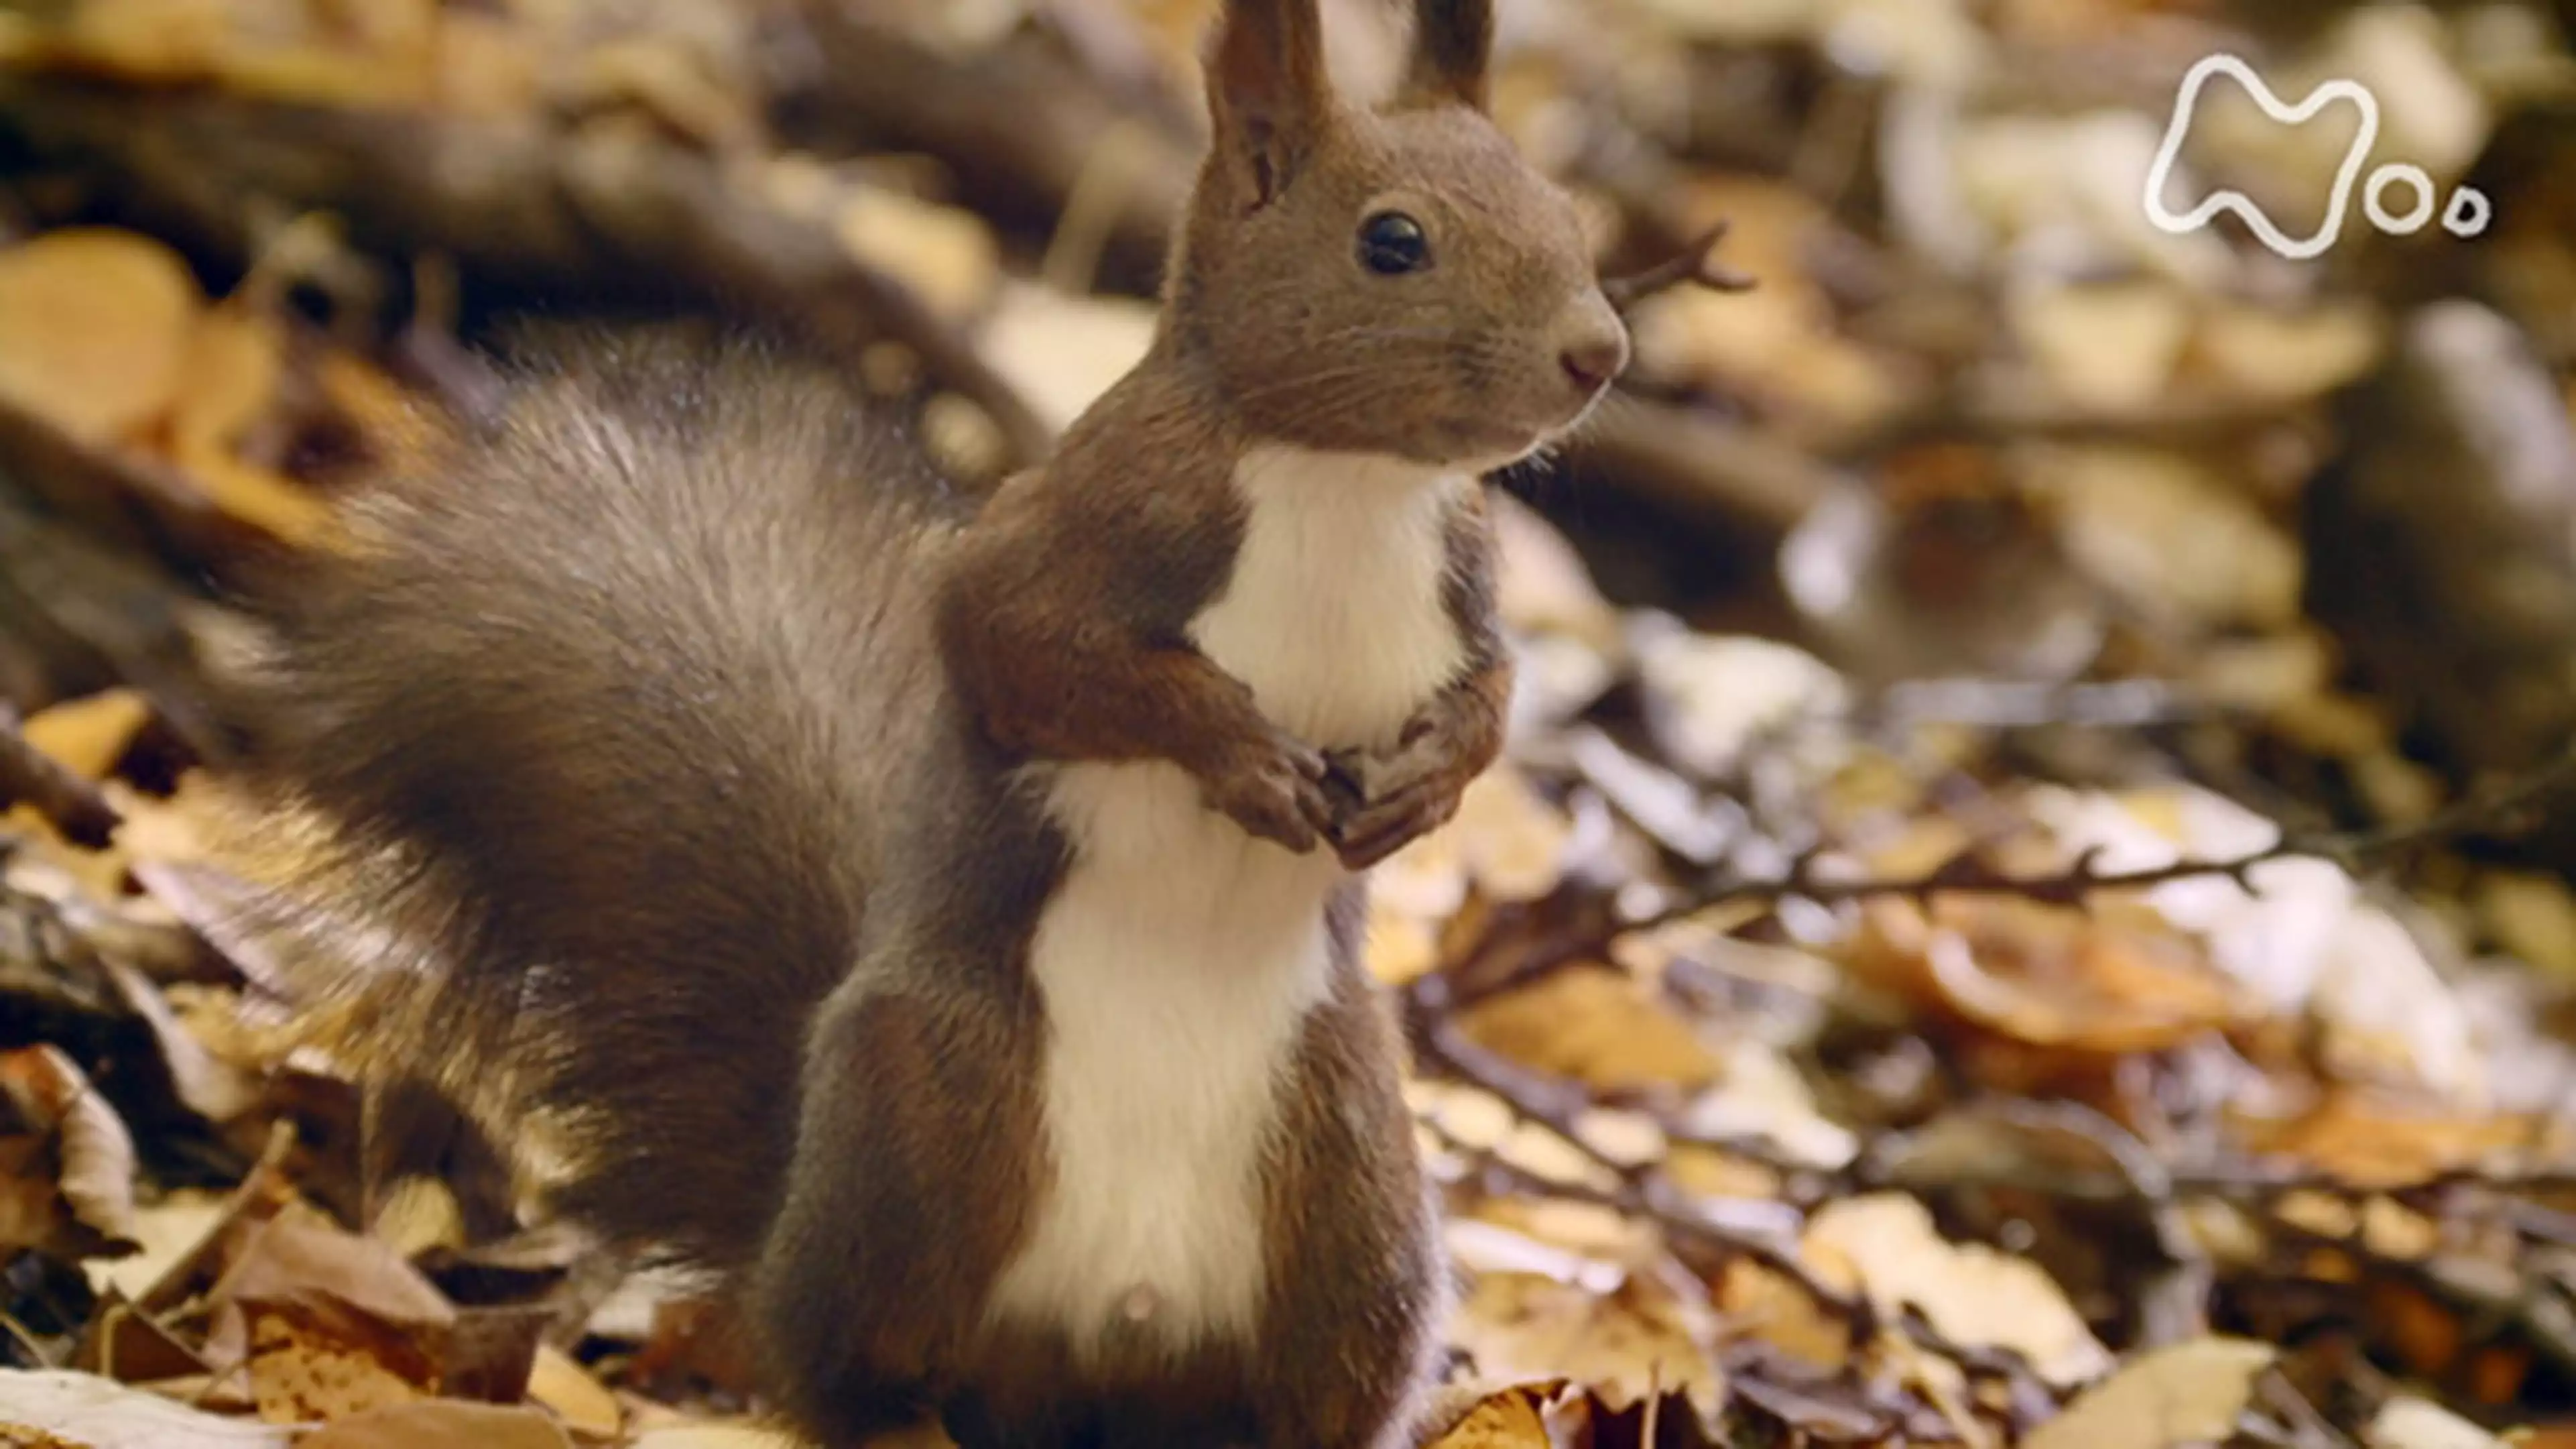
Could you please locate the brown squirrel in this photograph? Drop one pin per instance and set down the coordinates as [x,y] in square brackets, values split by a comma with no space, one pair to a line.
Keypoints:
[936,918]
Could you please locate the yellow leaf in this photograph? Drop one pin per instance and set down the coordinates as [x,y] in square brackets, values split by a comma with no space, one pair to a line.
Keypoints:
[1972,1293]
[94,327]
[269,501]
[375,404]
[1596,1025]
[1637,1339]
[227,380]
[1516,1418]
[87,736]
[163,40]
[2190,1393]
[564,1386]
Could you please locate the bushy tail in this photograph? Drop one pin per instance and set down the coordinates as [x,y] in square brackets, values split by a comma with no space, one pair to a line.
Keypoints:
[590,717]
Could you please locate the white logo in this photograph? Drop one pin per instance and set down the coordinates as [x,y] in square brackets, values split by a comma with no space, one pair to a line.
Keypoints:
[2467,216]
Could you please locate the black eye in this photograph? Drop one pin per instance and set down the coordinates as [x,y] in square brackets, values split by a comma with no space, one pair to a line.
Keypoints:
[1392,244]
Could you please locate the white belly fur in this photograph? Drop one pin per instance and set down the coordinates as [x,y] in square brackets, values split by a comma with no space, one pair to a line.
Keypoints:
[1179,956]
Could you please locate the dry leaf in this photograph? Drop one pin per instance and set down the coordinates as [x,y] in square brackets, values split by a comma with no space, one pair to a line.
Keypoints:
[1061,353]
[1515,1418]
[1886,1245]
[2411,1423]
[1512,841]
[88,735]
[563,1385]
[2108,347]
[440,1424]
[1627,1343]
[309,1363]
[745,1436]
[261,497]
[87,1412]
[95,327]
[81,1197]
[228,380]
[2368,1139]
[2189,1393]
[150,40]
[168,1232]
[2044,975]
[948,257]
[1597,1025]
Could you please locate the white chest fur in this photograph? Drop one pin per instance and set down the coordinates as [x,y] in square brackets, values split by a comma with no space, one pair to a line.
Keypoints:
[1180,957]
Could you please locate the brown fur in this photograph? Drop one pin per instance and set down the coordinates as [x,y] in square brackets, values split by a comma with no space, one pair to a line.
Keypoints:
[669,740]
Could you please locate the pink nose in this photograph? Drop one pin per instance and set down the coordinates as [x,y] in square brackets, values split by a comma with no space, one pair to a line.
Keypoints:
[1593,361]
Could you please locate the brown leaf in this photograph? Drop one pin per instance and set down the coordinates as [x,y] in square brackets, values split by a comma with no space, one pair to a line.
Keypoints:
[82,1197]
[1514,1418]
[313,1362]
[95,325]
[2047,977]
[2369,1139]
[299,1255]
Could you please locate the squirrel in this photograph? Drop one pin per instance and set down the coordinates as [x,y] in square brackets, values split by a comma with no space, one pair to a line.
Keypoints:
[936,918]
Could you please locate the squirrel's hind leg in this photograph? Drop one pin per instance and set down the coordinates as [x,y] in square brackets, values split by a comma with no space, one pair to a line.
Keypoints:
[915,1147]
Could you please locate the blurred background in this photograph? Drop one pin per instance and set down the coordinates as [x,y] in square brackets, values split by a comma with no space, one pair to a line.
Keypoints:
[1999,539]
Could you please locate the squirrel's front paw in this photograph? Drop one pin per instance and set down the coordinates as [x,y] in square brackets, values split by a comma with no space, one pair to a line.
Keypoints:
[1274,788]
[1399,795]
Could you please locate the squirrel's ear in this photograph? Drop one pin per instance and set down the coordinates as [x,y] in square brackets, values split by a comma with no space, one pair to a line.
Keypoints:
[1269,95]
[1453,46]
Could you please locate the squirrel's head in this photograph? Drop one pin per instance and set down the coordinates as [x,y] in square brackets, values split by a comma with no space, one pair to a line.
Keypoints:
[1392,279]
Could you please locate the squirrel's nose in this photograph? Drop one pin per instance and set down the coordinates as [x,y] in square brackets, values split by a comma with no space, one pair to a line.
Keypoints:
[1596,356]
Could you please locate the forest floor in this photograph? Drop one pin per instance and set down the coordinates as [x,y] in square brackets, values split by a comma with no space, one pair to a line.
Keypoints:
[2027,902]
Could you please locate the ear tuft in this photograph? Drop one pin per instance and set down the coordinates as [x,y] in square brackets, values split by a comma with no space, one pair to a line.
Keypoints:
[1269,95]
[1453,48]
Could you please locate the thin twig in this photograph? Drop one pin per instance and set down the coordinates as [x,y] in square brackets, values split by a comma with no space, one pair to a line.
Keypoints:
[1968,874]
[1694,265]
[67,802]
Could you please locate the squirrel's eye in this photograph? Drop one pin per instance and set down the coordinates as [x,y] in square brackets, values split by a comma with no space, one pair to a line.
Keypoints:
[1392,243]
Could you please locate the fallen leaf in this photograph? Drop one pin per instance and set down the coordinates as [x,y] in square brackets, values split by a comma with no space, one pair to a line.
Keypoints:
[88,735]
[745,1436]
[81,1197]
[2044,975]
[1515,1418]
[95,327]
[2372,1139]
[2105,347]
[1062,352]
[563,1385]
[84,1411]
[312,1362]
[2188,1393]
[228,379]
[1597,1025]
[946,256]
[440,1424]
[1887,1246]
[1636,1339]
